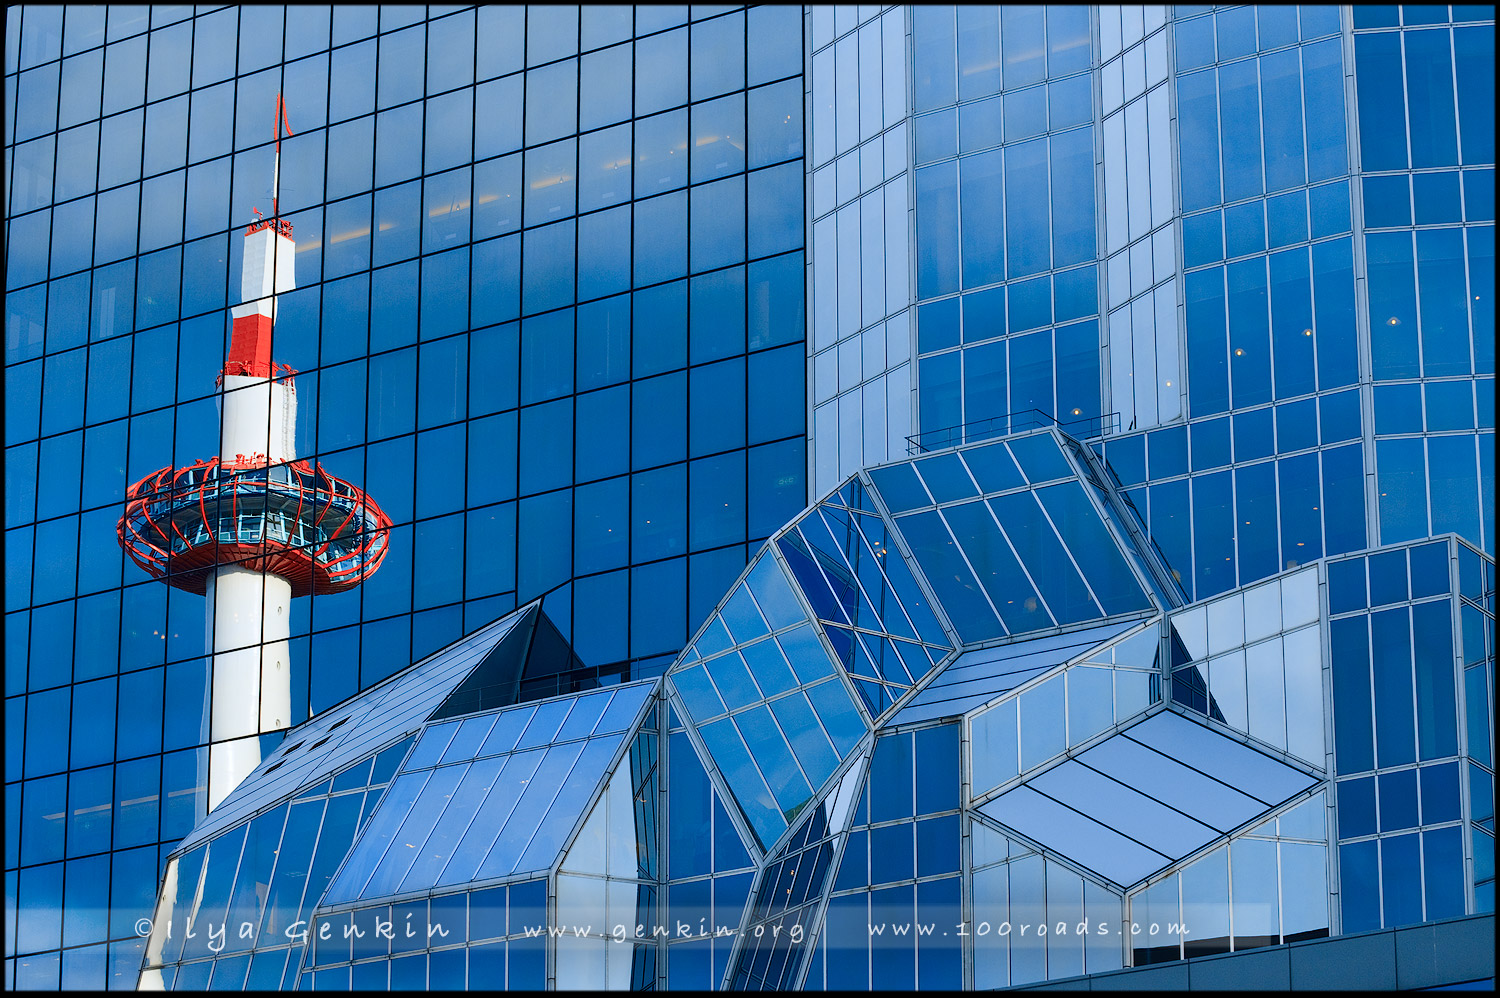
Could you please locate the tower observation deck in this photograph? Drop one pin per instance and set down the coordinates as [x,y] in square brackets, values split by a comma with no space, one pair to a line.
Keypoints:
[254,527]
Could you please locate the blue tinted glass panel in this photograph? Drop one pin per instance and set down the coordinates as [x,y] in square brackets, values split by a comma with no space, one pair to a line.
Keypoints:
[956,587]
[1095,550]
[728,751]
[1437,722]
[1400,880]
[999,572]
[1359,880]
[1398,800]
[900,487]
[1440,800]
[1045,558]
[1353,741]
[1391,647]
[1040,457]
[1356,807]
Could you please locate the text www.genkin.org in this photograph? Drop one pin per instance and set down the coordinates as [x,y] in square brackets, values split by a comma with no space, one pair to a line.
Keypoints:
[795,933]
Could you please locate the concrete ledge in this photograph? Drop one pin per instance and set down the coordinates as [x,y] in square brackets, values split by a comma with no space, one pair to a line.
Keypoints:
[1445,952]
[1066,984]
[1161,977]
[1365,962]
[1267,969]
[1436,954]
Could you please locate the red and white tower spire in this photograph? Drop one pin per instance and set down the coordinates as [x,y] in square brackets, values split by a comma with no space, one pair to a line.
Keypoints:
[255,527]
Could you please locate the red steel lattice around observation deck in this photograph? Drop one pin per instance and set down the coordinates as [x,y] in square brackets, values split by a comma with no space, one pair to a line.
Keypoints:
[293,520]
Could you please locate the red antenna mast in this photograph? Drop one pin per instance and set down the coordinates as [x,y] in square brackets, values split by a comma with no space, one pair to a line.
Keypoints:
[281,121]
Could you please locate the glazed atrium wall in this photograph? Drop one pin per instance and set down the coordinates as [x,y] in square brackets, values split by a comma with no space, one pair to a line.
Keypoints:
[1195,625]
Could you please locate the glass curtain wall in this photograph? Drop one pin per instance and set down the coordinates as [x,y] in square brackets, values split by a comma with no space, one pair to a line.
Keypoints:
[859,231]
[549,313]
[1293,278]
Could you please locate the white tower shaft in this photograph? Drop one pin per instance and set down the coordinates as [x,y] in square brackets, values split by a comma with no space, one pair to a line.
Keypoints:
[249,611]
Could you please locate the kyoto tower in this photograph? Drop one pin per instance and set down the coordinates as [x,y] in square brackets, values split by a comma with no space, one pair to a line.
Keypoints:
[254,527]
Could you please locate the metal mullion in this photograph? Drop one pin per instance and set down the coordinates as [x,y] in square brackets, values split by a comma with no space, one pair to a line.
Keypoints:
[1361,280]
[1228,900]
[369,272]
[710,768]
[1101,252]
[618,758]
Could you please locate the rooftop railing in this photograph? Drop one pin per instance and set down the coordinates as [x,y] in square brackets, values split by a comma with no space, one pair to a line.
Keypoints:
[1011,422]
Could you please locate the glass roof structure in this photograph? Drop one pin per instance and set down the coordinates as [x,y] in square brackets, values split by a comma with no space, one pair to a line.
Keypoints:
[969,667]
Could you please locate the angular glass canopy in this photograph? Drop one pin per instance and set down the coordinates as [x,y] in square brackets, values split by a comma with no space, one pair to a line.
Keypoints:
[324,744]
[1129,806]
[978,645]
[489,795]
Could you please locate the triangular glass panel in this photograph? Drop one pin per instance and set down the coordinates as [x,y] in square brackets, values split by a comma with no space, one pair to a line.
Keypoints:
[888,661]
[714,639]
[873,694]
[318,791]
[853,495]
[1180,656]
[1192,627]
[494,681]
[1138,651]
[552,668]
[842,641]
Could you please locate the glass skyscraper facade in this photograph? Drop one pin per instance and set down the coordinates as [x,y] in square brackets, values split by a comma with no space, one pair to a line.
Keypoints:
[596,302]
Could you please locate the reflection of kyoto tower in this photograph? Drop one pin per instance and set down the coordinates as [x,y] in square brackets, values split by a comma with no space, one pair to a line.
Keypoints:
[254,527]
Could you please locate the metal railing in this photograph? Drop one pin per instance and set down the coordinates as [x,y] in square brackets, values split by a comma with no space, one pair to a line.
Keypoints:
[1011,422]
